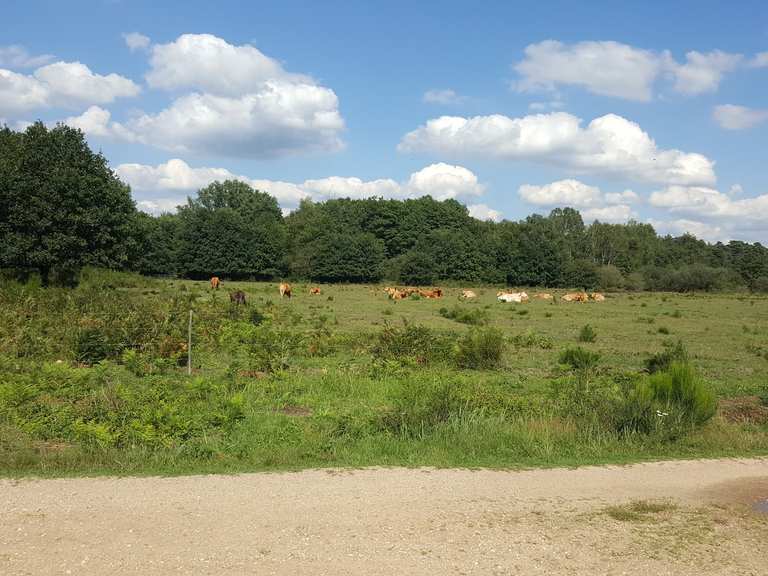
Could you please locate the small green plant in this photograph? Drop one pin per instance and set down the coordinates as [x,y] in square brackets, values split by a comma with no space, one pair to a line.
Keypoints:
[532,339]
[578,358]
[480,349]
[91,345]
[663,360]
[522,312]
[587,334]
[473,317]
[663,330]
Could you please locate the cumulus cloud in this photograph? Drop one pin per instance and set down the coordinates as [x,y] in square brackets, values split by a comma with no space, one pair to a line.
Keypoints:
[618,70]
[15,56]
[484,212]
[66,84]
[590,200]
[446,96]
[708,232]
[211,64]
[760,60]
[159,205]
[136,41]
[609,145]
[441,181]
[732,117]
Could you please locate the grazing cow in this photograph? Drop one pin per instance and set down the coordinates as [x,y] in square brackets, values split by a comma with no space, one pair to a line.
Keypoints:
[543,296]
[467,294]
[517,297]
[436,293]
[597,297]
[314,290]
[237,297]
[215,282]
[575,297]
[285,290]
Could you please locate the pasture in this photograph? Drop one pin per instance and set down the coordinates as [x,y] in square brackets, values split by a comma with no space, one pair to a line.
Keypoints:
[93,380]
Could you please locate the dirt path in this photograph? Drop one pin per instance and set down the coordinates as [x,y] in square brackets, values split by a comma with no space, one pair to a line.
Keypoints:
[394,521]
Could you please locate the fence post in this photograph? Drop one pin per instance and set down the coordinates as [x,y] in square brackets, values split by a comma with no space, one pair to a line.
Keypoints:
[189,345]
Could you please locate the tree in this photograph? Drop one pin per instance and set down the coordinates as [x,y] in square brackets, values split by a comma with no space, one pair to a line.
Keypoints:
[230,229]
[61,207]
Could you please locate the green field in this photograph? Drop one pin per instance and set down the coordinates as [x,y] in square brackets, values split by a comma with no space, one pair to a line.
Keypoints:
[93,381]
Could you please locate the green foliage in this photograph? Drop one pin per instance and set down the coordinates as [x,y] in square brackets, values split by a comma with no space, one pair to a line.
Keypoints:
[265,347]
[609,278]
[587,333]
[679,388]
[471,316]
[578,358]
[663,360]
[91,345]
[480,349]
[411,342]
[61,207]
[532,339]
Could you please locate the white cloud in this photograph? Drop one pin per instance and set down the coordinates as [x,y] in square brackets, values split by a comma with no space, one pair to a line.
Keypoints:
[609,145]
[619,70]
[441,181]
[759,61]
[446,96]
[732,117]
[563,192]
[702,72]
[626,197]
[159,205]
[96,121]
[136,41]
[67,84]
[208,63]
[15,56]
[613,214]
[483,212]
[542,106]
[279,120]
[708,232]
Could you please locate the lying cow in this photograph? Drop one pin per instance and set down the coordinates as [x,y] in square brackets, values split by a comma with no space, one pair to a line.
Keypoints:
[597,297]
[314,290]
[237,297]
[436,293]
[467,294]
[285,290]
[517,297]
[215,282]
[575,297]
[543,296]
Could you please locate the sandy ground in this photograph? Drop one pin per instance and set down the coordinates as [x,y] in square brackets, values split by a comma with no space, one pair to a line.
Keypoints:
[392,521]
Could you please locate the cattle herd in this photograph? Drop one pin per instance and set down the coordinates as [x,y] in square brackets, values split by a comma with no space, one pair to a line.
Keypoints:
[238,297]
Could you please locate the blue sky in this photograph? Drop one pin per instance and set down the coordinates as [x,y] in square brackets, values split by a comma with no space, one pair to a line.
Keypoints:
[655,111]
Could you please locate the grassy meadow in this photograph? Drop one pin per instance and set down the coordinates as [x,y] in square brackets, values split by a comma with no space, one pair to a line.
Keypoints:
[93,380]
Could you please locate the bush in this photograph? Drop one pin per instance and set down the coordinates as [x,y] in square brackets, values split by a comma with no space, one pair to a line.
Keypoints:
[265,347]
[91,346]
[578,358]
[480,348]
[532,339]
[679,388]
[411,342]
[473,317]
[609,278]
[759,284]
[634,282]
[664,359]
[587,334]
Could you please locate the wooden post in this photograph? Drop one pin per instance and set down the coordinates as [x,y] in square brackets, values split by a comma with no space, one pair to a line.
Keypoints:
[189,346]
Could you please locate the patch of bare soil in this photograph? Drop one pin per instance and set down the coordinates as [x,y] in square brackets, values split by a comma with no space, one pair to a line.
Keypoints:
[743,410]
[679,518]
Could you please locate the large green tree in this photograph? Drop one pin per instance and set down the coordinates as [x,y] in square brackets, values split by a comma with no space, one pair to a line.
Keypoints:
[61,207]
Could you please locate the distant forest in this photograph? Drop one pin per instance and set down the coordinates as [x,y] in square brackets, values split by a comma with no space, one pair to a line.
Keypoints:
[62,208]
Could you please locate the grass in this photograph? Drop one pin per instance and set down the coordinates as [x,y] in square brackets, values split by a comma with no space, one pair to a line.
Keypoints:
[639,510]
[93,380]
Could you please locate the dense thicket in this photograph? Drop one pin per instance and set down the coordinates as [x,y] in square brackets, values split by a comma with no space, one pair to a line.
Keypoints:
[62,208]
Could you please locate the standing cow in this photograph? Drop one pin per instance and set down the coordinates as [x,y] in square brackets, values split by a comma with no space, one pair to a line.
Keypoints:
[215,283]
[285,290]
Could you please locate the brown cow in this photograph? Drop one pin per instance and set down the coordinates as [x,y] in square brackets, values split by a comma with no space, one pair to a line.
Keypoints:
[285,290]
[237,297]
[215,282]
[543,296]
[597,297]
[575,297]
[436,293]
[314,290]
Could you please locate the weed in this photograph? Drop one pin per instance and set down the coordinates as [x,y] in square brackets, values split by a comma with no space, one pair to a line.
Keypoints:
[480,349]
[578,358]
[587,334]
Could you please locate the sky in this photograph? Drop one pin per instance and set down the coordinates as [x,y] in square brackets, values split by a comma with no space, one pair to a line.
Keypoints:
[653,111]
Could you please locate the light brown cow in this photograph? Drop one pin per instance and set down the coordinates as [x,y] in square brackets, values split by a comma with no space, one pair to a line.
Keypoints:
[467,294]
[543,296]
[285,290]
[575,297]
[314,290]
[597,297]
[518,297]
[436,293]
[215,282]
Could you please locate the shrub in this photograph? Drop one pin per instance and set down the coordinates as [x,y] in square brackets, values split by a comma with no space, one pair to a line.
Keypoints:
[587,334]
[634,282]
[609,278]
[266,347]
[663,330]
[473,317]
[532,339]
[679,395]
[411,342]
[420,407]
[91,345]
[664,359]
[480,348]
[578,358]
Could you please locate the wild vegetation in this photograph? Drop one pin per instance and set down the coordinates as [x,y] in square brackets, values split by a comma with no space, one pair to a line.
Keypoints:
[93,379]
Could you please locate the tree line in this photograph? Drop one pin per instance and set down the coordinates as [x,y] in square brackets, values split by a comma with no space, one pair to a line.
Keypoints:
[62,208]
